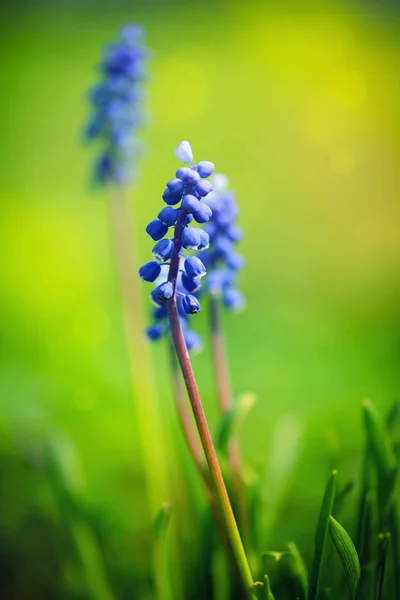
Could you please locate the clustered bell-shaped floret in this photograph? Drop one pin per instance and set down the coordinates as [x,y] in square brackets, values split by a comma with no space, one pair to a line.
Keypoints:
[186,198]
[222,260]
[117,106]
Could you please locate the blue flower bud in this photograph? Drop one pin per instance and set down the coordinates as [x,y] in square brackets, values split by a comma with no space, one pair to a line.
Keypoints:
[203,213]
[235,261]
[211,228]
[160,312]
[171,197]
[204,240]
[156,229]
[191,285]
[191,304]
[150,271]
[188,175]
[205,168]
[162,251]
[162,292]
[233,299]
[188,218]
[191,238]
[194,267]
[234,233]
[184,152]
[154,332]
[192,340]
[220,182]
[131,32]
[203,187]
[168,215]
[222,246]
[176,186]
[190,203]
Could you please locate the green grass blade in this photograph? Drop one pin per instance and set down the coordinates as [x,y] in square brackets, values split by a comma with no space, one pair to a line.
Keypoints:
[267,589]
[393,416]
[341,496]
[95,575]
[347,554]
[298,572]
[321,535]
[160,528]
[382,453]
[394,526]
[383,544]
[232,420]
[367,545]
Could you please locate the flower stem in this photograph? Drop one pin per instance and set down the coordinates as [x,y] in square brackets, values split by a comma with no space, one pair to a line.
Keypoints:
[201,421]
[225,404]
[147,413]
[189,433]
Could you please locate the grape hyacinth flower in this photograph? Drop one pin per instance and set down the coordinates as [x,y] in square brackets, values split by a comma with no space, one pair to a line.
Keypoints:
[173,297]
[116,102]
[223,264]
[172,271]
[222,261]
[117,106]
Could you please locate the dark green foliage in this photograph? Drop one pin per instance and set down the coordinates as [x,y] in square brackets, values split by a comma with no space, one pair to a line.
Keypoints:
[347,554]
[321,535]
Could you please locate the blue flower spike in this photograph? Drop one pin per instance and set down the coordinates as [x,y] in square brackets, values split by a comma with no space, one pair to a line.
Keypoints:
[116,107]
[222,261]
[187,198]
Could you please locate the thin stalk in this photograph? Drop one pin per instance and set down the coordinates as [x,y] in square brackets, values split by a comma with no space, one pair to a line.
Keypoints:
[196,452]
[225,404]
[188,431]
[142,378]
[200,418]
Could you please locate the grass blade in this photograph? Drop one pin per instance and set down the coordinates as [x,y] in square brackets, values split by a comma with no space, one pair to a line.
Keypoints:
[298,572]
[341,497]
[347,554]
[383,543]
[321,535]
[383,455]
[232,420]
[160,527]
[367,545]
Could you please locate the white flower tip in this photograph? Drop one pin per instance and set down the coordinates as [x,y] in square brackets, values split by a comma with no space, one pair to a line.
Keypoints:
[184,153]
[220,182]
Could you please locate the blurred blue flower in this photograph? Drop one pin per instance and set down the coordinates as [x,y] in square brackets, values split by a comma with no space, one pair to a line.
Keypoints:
[116,103]
[188,191]
[221,260]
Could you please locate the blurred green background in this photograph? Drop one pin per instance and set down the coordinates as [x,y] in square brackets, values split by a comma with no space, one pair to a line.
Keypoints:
[298,103]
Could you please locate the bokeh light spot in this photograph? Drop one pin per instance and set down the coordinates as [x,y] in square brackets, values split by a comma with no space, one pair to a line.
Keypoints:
[348,88]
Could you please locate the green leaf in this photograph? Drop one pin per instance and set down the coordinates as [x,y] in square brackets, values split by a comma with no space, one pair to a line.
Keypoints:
[383,544]
[92,561]
[232,420]
[341,496]
[382,453]
[379,439]
[160,528]
[321,535]
[298,572]
[367,544]
[347,554]
[393,416]
[161,521]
